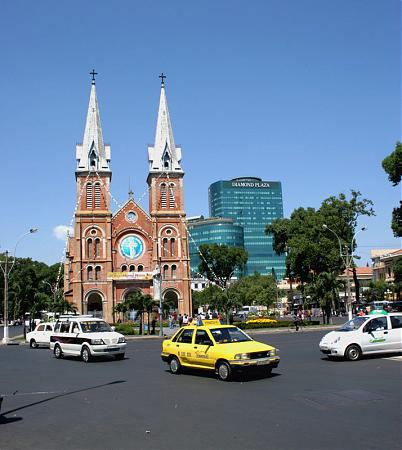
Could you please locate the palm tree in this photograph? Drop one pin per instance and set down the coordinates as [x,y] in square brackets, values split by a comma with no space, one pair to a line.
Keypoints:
[121,308]
[141,303]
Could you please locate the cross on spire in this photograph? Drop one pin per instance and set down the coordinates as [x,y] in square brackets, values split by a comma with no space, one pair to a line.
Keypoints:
[162,76]
[93,73]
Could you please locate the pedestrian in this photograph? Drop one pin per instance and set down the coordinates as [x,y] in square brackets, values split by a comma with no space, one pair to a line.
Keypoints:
[174,316]
[296,321]
[185,320]
[170,319]
[180,320]
[153,324]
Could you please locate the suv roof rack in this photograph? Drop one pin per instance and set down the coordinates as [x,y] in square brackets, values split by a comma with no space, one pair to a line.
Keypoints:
[76,316]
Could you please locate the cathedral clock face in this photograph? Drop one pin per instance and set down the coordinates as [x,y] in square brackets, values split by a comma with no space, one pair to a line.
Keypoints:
[131,247]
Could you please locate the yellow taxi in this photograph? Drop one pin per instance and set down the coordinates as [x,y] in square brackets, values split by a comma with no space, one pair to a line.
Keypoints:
[221,348]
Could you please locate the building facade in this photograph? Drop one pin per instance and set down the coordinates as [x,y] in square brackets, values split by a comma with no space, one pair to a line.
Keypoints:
[252,203]
[383,264]
[212,231]
[111,255]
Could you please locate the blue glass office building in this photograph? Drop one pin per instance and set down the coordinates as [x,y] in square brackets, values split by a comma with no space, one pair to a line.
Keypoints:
[212,231]
[252,203]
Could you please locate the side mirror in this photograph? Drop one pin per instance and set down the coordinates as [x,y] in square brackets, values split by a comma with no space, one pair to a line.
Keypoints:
[113,328]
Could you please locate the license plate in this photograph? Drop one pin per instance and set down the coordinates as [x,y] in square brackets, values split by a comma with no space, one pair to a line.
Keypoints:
[262,362]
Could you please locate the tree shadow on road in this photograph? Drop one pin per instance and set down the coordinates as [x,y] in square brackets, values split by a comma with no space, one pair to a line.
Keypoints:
[5,420]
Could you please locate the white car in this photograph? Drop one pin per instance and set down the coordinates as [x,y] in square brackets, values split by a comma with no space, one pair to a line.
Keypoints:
[40,335]
[87,337]
[365,335]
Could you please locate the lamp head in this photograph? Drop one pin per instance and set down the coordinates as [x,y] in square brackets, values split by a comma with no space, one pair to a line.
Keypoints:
[33,230]
[364,228]
[325,226]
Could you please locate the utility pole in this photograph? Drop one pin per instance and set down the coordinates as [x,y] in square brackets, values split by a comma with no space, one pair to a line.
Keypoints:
[6,272]
[6,339]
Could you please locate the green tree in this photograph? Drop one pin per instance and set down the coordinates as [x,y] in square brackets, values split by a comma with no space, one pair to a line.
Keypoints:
[220,300]
[397,269]
[256,289]
[219,262]
[376,290]
[392,165]
[312,250]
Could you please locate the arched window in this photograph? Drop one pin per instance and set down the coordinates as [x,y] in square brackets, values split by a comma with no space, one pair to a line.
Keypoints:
[97,272]
[174,271]
[89,249]
[163,195]
[165,272]
[172,246]
[164,246]
[140,268]
[97,248]
[97,195]
[132,268]
[90,274]
[171,196]
[89,195]
[124,268]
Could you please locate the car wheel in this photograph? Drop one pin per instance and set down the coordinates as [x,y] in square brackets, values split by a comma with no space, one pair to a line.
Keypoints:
[33,343]
[353,352]
[85,354]
[224,371]
[119,356]
[57,351]
[174,365]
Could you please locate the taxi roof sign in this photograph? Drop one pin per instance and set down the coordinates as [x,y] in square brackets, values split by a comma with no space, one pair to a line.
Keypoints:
[211,322]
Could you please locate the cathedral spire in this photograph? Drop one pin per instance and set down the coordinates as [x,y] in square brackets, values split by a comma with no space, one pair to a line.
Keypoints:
[164,156]
[93,154]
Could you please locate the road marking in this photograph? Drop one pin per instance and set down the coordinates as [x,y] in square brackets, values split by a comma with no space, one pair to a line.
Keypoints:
[395,358]
[16,393]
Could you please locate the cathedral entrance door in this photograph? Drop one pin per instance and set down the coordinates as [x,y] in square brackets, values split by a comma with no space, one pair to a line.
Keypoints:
[94,305]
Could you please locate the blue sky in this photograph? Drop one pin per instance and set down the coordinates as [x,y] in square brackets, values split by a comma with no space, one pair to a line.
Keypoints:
[306,92]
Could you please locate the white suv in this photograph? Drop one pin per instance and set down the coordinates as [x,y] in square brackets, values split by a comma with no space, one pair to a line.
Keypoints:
[87,337]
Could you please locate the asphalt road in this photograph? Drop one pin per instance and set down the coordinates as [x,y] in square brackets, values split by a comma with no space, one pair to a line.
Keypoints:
[308,402]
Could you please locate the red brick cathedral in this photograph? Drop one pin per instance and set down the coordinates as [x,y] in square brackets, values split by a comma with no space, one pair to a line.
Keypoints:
[111,255]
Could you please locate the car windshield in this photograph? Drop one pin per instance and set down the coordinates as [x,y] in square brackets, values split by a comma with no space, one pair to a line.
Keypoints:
[353,324]
[228,335]
[95,326]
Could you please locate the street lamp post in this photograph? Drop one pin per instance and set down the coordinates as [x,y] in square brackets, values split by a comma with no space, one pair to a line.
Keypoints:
[6,269]
[347,258]
[158,291]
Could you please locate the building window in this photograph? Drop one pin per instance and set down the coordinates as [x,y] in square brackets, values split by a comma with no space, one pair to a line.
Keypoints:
[89,249]
[171,196]
[172,246]
[90,275]
[124,268]
[89,195]
[97,272]
[97,195]
[140,268]
[164,246]
[174,271]
[97,248]
[163,195]
[165,272]
[132,268]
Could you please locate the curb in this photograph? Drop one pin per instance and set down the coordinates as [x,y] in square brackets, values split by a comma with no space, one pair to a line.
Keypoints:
[15,339]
